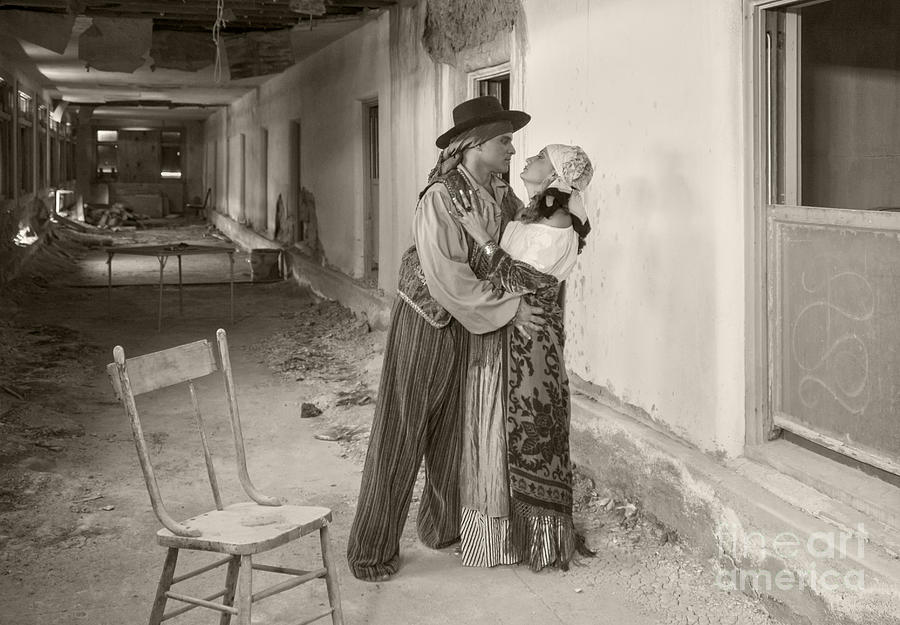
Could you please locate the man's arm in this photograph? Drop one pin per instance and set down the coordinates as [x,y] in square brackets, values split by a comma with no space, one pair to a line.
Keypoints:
[443,253]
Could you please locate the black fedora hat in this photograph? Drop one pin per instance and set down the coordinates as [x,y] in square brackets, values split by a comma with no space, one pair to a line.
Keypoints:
[479,111]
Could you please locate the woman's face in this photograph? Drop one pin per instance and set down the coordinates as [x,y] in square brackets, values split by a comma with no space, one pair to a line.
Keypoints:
[537,168]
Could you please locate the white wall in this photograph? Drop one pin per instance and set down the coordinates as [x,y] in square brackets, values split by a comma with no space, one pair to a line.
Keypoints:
[325,93]
[652,90]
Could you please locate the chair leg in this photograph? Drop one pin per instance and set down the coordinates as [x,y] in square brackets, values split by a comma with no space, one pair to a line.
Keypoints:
[231,578]
[331,579]
[244,590]
[165,582]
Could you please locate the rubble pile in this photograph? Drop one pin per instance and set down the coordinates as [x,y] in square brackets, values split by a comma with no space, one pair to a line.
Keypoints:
[319,345]
[114,216]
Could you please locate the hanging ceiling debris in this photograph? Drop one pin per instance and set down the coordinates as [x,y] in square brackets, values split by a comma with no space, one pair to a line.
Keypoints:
[168,54]
[199,15]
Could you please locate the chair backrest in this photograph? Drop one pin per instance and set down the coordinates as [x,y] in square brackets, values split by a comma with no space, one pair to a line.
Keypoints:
[168,367]
[179,365]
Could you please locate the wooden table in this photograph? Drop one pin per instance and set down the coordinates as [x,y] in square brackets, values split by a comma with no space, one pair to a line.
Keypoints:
[162,254]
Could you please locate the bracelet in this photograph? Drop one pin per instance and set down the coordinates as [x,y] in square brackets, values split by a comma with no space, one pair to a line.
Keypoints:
[490,248]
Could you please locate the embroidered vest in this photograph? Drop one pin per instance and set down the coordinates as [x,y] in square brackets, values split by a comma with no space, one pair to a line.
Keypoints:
[413,288]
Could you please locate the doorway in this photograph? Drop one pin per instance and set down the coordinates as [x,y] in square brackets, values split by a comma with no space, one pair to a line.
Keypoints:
[371,190]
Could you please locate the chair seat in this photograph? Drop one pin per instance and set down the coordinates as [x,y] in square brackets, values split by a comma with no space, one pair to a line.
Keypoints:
[247,528]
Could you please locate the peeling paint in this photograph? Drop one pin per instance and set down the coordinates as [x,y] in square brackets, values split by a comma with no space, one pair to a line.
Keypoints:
[452,26]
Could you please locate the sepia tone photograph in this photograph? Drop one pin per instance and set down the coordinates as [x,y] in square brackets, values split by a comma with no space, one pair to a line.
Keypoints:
[450,312]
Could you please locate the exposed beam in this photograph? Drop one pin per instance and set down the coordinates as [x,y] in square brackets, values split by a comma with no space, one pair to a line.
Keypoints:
[147,104]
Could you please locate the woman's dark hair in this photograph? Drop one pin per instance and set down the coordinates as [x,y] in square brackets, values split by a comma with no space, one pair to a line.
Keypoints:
[542,208]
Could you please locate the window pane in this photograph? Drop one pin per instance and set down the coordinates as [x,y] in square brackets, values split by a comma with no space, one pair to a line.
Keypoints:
[25,181]
[849,86]
[5,96]
[42,156]
[171,136]
[25,105]
[5,160]
[108,135]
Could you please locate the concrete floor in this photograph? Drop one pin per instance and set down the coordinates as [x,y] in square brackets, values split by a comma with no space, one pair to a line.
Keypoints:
[68,557]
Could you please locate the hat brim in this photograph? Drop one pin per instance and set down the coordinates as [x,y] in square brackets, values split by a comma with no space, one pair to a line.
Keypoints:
[517,118]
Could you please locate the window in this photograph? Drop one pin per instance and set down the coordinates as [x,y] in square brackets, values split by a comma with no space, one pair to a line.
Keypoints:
[6,155]
[42,119]
[25,143]
[25,108]
[55,146]
[71,137]
[831,205]
[497,86]
[107,154]
[170,154]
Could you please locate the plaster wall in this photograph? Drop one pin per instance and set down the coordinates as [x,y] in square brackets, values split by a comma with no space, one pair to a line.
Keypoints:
[324,95]
[655,308]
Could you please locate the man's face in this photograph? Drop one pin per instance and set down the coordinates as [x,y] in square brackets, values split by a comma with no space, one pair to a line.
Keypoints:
[495,153]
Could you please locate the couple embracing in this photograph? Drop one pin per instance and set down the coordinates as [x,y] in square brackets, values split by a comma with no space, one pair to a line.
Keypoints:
[474,379]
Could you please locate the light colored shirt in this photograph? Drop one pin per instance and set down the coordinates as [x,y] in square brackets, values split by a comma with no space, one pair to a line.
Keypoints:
[548,249]
[444,256]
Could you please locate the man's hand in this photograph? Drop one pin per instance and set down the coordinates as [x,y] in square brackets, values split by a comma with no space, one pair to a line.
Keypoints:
[528,318]
[466,210]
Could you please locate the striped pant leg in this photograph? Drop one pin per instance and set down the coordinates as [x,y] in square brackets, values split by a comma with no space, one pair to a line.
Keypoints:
[420,367]
[438,521]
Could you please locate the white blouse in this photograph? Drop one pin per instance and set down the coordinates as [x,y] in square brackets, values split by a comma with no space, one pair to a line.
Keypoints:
[548,249]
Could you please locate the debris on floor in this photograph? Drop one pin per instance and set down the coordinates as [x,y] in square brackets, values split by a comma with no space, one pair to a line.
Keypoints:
[309,411]
[113,216]
[323,343]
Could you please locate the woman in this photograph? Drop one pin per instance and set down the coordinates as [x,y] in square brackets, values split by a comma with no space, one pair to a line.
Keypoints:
[516,481]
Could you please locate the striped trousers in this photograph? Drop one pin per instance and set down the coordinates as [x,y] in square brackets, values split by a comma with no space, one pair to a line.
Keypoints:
[418,414]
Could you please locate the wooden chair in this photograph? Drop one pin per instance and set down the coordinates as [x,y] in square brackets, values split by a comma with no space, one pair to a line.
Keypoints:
[240,530]
[197,210]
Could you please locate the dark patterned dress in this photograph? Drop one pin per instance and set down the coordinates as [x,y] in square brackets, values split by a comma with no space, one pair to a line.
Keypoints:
[535,524]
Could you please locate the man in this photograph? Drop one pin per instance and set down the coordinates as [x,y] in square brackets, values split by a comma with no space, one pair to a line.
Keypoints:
[440,302]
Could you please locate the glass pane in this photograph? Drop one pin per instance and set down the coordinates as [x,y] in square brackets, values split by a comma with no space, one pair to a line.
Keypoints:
[25,104]
[107,135]
[5,160]
[5,96]
[171,136]
[835,125]
[25,180]
[839,356]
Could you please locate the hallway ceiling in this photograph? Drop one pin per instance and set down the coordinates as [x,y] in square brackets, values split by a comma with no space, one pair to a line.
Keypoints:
[267,34]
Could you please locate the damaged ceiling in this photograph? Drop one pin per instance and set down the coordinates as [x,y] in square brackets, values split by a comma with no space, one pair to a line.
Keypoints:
[159,58]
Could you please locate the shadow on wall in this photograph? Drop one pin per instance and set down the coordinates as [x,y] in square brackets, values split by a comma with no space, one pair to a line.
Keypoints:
[652,253]
[298,225]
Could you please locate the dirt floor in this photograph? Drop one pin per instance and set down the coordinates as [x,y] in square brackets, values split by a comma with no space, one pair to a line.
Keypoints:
[77,540]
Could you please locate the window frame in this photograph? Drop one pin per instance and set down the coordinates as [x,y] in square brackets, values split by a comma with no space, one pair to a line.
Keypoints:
[769,200]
